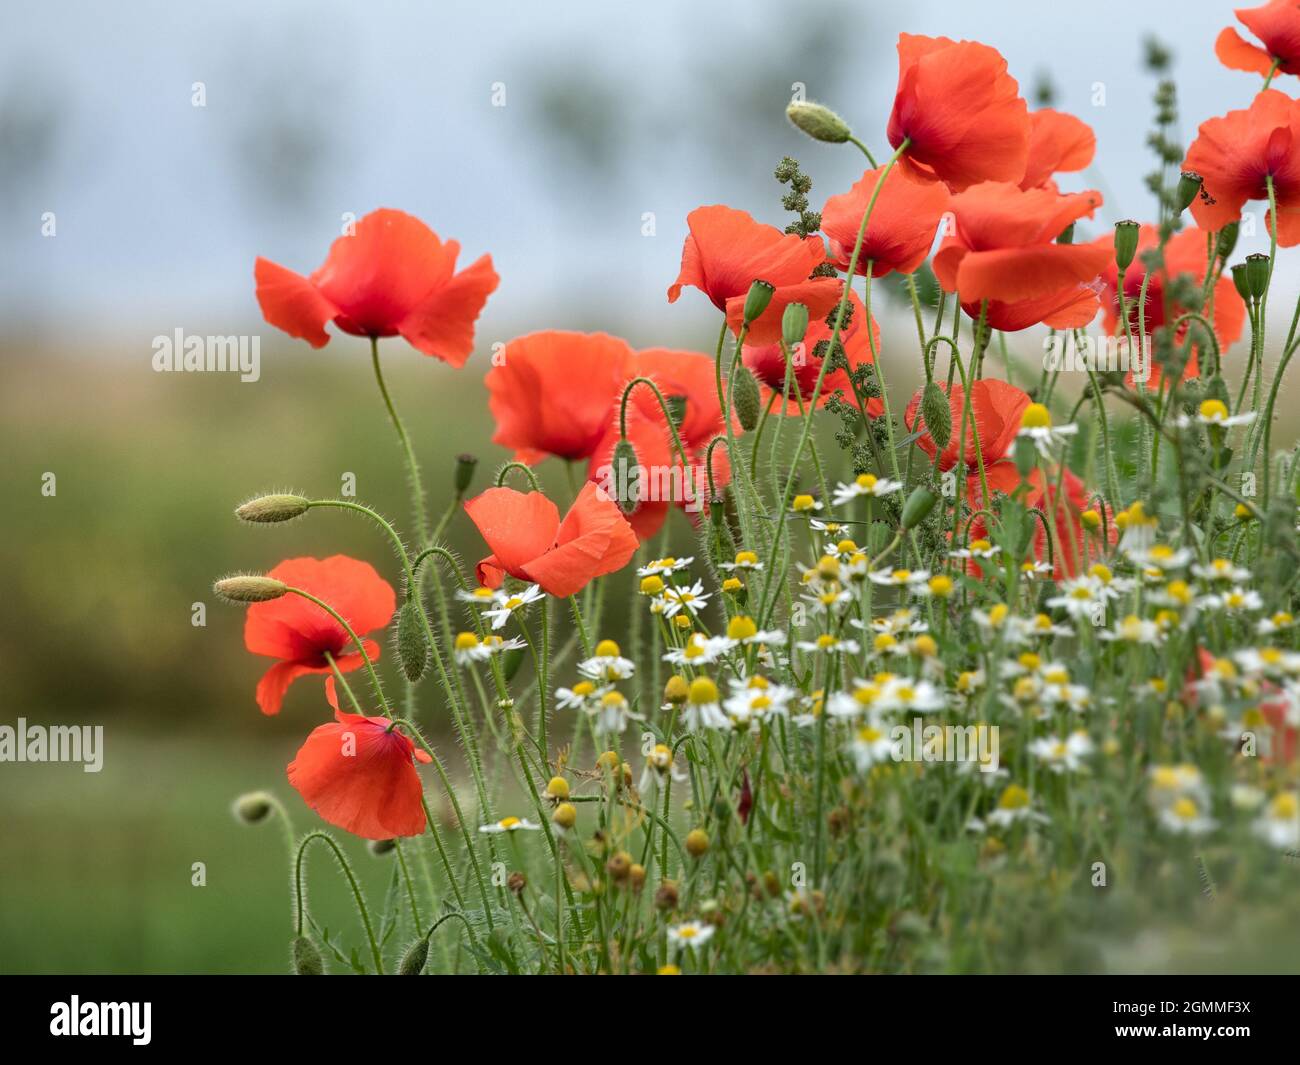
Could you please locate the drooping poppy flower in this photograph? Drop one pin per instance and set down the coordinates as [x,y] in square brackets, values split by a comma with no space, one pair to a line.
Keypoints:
[726,251]
[767,363]
[1185,253]
[357,773]
[392,277]
[996,408]
[553,392]
[1236,154]
[1005,249]
[961,111]
[528,541]
[1058,143]
[902,226]
[1277,25]
[300,634]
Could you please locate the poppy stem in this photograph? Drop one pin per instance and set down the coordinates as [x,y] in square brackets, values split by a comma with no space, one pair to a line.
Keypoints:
[365,657]
[357,895]
[663,406]
[509,467]
[412,466]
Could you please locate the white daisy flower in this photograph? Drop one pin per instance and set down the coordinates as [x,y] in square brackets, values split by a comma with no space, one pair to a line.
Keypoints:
[1169,783]
[692,935]
[1215,412]
[1184,817]
[899,577]
[977,549]
[869,747]
[1268,661]
[469,648]
[1063,755]
[745,560]
[805,504]
[1279,622]
[1014,805]
[612,713]
[1036,425]
[829,645]
[865,484]
[917,696]
[699,650]
[607,663]
[500,613]
[1233,601]
[1280,824]
[703,707]
[661,566]
[1133,629]
[692,599]
[484,597]
[584,695]
[1160,557]
[510,824]
[1222,569]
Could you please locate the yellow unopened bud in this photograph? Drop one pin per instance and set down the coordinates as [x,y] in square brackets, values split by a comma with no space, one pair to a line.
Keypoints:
[676,690]
[557,788]
[925,646]
[940,585]
[607,649]
[732,585]
[652,585]
[566,815]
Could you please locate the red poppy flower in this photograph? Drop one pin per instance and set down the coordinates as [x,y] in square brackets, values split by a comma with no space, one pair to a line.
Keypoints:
[689,376]
[357,773]
[1058,142]
[996,408]
[1277,25]
[300,634]
[1069,308]
[767,363]
[726,251]
[1235,155]
[392,277]
[1184,254]
[1004,247]
[902,225]
[554,392]
[528,540]
[961,111]
[821,295]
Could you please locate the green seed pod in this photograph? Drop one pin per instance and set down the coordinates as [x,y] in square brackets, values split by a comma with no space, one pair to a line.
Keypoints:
[412,648]
[627,476]
[937,414]
[412,963]
[306,958]
[1227,239]
[794,325]
[745,400]
[464,473]
[918,506]
[1126,242]
[1189,187]
[759,296]
[279,507]
[1239,281]
[818,121]
[1257,271]
[249,588]
[253,807]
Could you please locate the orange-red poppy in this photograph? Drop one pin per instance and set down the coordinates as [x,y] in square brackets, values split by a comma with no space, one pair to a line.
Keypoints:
[902,226]
[1004,247]
[553,393]
[1277,25]
[820,295]
[357,773]
[961,111]
[393,276]
[1237,153]
[528,541]
[767,363]
[1185,253]
[1072,307]
[1058,143]
[996,408]
[726,251]
[300,634]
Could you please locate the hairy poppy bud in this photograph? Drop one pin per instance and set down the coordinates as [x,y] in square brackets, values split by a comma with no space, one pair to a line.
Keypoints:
[412,648]
[412,963]
[464,473]
[745,399]
[627,476]
[794,325]
[277,507]
[760,295]
[1189,187]
[1227,239]
[1126,242]
[1257,271]
[249,588]
[818,121]
[306,958]
[1239,281]
[918,505]
[253,807]
[937,414]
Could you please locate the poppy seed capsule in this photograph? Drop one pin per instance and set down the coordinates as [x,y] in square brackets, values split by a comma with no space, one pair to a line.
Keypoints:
[1126,242]
[464,473]
[697,842]
[1239,281]
[412,963]
[627,476]
[306,958]
[566,815]
[277,507]
[937,415]
[818,121]
[1189,187]
[1227,239]
[253,807]
[918,506]
[249,588]
[1257,270]
[745,399]
[794,325]
[756,300]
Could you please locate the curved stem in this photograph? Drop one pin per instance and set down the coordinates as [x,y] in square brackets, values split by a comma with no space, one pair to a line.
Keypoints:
[412,466]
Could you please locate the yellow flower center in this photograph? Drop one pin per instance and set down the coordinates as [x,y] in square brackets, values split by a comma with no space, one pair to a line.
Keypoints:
[981,545]
[584,688]
[741,627]
[941,586]
[746,558]
[901,574]
[846,547]
[826,640]
[466,641]
[865,480]
[803,502]
[1014,798]
[508,822]
[703,691]
[1036,416]
[607,649]
[652,585]
[1285,806]
[1185,809]
[1214,410]
[1101,573]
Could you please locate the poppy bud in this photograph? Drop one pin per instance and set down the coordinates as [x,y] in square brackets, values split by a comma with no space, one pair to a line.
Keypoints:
[380,847]
[1257,271]
[1126,242]
[464,473]
[253,807]
[249,588]
[411,646]
[627,476]
[745,400]
[676,409]
[760,295]
[277,507]
[697,842]
[794,325]
[1189,187]
[937,414]
[818,121]
[918,505]
[412,963]
[1239,281]
[1227,239]
[306,958]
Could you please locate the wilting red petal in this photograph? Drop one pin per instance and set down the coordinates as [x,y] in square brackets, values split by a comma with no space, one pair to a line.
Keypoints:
[357,773]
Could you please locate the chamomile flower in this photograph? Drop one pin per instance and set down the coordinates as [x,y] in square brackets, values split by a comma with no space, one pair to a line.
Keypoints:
[831,528]
[850,705]
[1014,805]
[692,599]
[1222,569]
[1033,570]
[1042,627]
[902,694]
[1160,557]
[900,577]
[469,648]
[584,695]
[829,644]
[1215,412]
[865,484]
[1133,629]
[745,560]
[502,611]
[1280,824]
[1279,622]
[1063,755]
[690,935]
[660,765]
[662,566]
[896,623]
[977,549]
[1166,784]
[607,663]
[749,706]
[743,631]
[1268,661]
[1233,601]
[1137,528]
[870,746]
[1081,597]
[805,504]
[509,824]
[699,650]
[1185,817]
[703,709]
[831,599]
[612,713]
[1036,425]
[484,597]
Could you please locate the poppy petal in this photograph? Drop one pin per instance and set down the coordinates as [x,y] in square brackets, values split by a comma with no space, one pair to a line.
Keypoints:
[292,303]
[594,539]
[1237,53]
[442,325]
[518,526]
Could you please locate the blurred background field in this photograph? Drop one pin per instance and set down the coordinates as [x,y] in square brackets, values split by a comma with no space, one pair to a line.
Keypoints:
[161,208]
